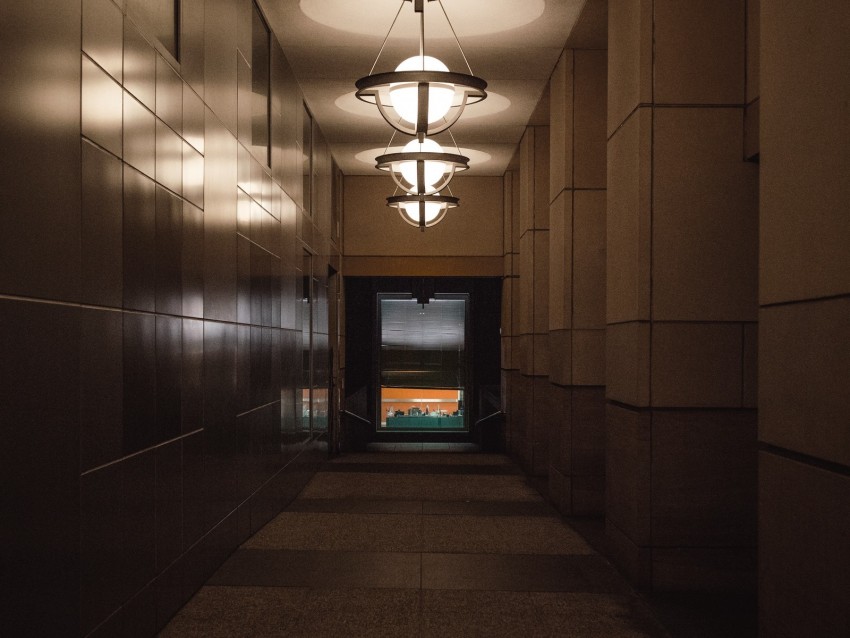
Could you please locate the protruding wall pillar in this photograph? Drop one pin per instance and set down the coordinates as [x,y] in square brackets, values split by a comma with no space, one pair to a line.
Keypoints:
[577,200]
[804,321]
[531,410]
[682,253]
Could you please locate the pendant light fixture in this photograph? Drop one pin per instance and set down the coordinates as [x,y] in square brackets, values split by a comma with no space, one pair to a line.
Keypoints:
[422,211]
[422,168]
[421,97]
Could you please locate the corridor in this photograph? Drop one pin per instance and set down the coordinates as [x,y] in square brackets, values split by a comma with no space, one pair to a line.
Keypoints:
[427,543]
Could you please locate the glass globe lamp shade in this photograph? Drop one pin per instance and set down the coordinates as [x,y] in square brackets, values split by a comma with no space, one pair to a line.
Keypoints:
[434,170]
[422,211]
[397,95]
[432,210]
[422,168]
[404,96]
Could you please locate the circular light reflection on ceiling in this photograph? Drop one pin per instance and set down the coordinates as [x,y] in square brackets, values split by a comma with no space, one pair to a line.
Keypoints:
[494,103]
[368,156]
[469,17]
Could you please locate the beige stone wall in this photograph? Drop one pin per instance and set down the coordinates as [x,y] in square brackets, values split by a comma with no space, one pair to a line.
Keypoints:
[511,307]
[530,225]
[682,253]
[472,229]
[804,320]
[577,238]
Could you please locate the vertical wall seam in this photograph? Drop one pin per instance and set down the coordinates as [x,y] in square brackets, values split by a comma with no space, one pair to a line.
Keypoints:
[651,234]
[743,361]
[572,265]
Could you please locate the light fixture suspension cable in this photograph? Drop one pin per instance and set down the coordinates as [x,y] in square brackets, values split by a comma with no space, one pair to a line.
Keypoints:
[422,36]
[457,148]
[440,2]
[392,137]
[384,43]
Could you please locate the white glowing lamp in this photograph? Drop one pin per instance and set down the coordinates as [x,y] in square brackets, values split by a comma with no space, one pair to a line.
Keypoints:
[422,211]
[432,211]
[433,170]
[426,158]
[404,96]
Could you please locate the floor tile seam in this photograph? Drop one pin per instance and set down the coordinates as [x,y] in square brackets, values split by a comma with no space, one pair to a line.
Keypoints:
[508,517]
[427,514]
[442,475]
[361,502]
[433,552]
[422,552]
[306,588]
[425,588]
[378,499]
[356,470]
[434,500]
[419,473]
[344,513]
[505,516]
[420,462]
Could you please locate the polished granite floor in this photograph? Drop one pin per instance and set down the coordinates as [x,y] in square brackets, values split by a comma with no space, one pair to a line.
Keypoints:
[424,543]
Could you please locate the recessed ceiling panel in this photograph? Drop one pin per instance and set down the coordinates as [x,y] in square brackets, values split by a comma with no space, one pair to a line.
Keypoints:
[471,17]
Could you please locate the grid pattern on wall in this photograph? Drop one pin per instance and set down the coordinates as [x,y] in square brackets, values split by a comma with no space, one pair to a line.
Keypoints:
[150,290]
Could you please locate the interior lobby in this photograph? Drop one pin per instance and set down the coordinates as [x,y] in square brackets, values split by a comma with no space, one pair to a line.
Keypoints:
[605,395]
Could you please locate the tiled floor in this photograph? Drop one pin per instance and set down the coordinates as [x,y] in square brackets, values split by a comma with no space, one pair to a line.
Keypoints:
[416,544]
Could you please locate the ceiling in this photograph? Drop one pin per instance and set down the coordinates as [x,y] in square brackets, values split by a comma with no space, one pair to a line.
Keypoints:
[512,44]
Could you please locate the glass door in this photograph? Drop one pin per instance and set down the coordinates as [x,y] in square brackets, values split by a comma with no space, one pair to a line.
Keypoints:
[423,363]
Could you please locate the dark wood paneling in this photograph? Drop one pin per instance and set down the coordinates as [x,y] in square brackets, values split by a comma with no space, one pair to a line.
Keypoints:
[219,222]
[139,241]
[40,163]
[101,116]
[169,95]
[192,44]
[102,251]
[193,261]
[139,66]
[139,381]
[169,364]
[101,387]
[39,373]
[220,60]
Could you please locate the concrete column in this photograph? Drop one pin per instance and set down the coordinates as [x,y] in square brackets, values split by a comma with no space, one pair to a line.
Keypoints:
[577,276]
[682,251]
[804,320]
[531,400]
[510,304]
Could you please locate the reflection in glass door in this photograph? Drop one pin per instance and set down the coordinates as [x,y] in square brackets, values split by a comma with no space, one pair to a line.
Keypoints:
[423,363]
[315,368]
[307,305]
[321,372]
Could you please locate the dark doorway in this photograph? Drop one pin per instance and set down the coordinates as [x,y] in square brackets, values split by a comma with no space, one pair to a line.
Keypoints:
[473,374]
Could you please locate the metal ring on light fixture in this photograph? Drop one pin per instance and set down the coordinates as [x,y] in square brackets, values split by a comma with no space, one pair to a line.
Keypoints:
[445,201]
[375,89]
[391,162]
